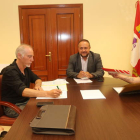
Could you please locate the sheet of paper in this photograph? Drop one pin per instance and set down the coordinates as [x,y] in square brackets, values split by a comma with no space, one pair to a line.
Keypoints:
[92,94]
[61,81]
[62,96]
[82,81]
[49,85]
[118,89]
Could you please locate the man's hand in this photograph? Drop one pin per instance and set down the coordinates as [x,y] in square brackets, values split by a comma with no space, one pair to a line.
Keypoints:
[54,93]
[81,74]
[87,74]
[84,74]
[129,79]
[115,75]
[38,83]
[38,88]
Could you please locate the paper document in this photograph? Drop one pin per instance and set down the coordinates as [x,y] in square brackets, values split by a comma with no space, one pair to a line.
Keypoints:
[82,81]
[62,96]
[61,81]
[49,85]
[84,78]
[92,94]
[118,89]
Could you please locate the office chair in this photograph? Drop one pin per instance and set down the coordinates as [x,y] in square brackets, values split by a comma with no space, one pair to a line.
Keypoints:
[4,120]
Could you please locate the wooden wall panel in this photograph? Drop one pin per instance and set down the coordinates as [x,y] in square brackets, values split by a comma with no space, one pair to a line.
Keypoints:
[37,40]
[65,39]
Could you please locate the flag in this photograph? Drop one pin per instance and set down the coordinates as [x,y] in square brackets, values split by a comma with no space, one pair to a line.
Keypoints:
[135,52]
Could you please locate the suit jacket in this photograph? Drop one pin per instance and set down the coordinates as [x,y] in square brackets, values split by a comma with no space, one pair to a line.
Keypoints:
[94,65]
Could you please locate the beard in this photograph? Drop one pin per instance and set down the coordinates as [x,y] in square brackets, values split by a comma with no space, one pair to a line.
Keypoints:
[84,56]
[28,66]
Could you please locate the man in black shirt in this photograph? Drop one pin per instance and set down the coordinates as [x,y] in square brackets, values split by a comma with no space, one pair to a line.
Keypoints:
[17,78]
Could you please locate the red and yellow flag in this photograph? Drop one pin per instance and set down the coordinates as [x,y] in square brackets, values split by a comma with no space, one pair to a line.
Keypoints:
[135,53]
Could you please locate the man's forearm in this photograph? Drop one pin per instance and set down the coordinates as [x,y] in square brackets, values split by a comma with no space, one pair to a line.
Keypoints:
[38,82]
[72,74]
[27,92]
[131,80]
[128,79]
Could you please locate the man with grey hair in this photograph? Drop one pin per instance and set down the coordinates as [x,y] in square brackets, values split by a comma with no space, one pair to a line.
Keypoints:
[17,78]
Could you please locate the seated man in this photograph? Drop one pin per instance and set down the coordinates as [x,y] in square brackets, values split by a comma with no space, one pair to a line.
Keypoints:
[129,79]
[85,63]
[17,78]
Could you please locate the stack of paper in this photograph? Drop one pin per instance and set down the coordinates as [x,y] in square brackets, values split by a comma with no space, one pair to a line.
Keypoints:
[49,85]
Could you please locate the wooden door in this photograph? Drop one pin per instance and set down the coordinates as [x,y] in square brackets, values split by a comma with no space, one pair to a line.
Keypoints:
[52,30]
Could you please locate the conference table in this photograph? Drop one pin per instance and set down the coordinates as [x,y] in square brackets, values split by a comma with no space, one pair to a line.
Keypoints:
[115,118]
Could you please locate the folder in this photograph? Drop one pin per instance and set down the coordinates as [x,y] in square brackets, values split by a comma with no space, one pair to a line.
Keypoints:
[116,71]
[55,120]
[129,89]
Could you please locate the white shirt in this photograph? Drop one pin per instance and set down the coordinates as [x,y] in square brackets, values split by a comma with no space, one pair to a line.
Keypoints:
[84,63]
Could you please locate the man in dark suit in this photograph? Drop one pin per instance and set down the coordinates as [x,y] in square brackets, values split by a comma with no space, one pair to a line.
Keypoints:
[85,63]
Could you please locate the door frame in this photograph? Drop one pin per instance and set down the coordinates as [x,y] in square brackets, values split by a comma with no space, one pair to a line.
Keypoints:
[78,9]
[20,7]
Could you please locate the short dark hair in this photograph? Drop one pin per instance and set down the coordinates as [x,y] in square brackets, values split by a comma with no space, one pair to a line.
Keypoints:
[85,41]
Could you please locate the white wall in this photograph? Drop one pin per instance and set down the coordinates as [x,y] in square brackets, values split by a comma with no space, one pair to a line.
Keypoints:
[108,25]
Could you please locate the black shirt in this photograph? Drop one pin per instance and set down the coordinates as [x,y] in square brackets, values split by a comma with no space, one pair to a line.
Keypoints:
[14,82]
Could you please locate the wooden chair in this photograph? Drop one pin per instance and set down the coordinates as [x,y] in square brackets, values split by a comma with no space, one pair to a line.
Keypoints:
[4,120]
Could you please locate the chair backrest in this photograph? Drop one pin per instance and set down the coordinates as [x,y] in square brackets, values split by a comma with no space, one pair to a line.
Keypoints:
[0,85]
[4,120]
[1,109]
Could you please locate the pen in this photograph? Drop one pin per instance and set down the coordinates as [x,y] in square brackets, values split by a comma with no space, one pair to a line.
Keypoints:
[57,87]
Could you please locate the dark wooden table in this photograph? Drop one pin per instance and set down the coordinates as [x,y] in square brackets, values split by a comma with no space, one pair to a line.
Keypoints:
[114,118]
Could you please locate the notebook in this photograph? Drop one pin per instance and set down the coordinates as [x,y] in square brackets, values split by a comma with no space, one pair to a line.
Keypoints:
[116,71]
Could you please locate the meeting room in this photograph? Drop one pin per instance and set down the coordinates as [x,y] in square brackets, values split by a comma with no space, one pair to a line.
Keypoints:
[70,70]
